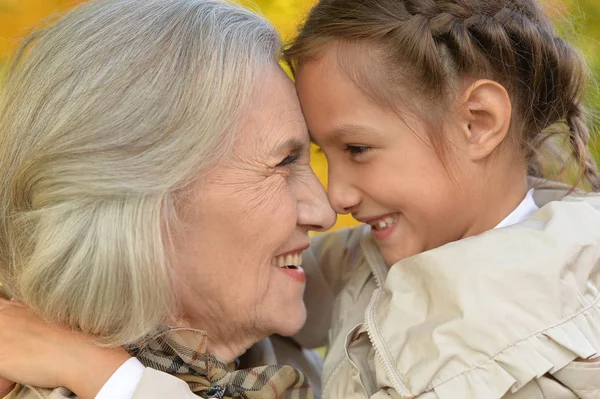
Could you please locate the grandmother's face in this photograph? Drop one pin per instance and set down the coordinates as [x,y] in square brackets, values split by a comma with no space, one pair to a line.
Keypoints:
[248,219]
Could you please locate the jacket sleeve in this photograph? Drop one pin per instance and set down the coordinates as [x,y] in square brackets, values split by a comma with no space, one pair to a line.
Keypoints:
[327,263]
[158,385]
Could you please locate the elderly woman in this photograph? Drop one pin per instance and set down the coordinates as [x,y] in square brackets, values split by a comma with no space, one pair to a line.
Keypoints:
[156,194]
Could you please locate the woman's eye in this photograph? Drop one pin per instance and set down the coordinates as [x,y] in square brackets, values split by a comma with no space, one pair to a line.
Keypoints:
[290,159]
[357,149]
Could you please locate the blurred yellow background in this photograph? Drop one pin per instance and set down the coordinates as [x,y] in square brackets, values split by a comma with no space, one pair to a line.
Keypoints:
[576,19]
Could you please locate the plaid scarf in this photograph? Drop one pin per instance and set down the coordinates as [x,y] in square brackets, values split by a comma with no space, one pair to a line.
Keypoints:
[182,353]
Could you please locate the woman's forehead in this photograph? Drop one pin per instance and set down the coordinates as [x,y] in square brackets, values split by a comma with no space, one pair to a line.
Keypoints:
[274,120]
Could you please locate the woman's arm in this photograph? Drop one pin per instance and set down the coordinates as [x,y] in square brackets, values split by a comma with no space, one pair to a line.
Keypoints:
[37,354]
[6,387]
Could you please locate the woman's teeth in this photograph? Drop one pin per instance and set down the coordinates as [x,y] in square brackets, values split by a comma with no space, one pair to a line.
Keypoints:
[384,223]
[288,261]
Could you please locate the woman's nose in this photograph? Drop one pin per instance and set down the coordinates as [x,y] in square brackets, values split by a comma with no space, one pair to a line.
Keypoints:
[314,211]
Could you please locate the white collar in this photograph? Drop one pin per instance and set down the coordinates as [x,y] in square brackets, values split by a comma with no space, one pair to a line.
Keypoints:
[525,209]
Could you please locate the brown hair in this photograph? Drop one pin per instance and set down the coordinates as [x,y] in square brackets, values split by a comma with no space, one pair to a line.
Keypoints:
[423,45]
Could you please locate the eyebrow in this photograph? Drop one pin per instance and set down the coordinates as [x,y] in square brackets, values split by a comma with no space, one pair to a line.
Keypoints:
[351,130]
[291,144]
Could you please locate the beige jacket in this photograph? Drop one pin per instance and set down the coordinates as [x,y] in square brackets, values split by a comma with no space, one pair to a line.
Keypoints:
[507,314]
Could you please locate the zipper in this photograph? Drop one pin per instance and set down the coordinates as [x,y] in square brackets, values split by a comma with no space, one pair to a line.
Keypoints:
[374,258]
[371,327]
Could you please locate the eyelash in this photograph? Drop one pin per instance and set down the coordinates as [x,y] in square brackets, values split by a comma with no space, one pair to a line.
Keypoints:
[356,150]
[290,159]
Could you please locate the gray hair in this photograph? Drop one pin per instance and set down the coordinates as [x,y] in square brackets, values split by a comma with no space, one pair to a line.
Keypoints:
[106,116]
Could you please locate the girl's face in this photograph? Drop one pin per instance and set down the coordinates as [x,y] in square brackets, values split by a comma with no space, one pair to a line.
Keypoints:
[382,169]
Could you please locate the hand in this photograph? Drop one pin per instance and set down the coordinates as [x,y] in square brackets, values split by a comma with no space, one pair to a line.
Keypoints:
[35,353]
[6,387]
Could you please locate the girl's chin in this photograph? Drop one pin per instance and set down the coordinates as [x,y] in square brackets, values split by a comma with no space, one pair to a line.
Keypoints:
[394,252]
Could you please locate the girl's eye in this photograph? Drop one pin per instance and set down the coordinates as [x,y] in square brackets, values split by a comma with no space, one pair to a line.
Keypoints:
[355,150]
[290,159]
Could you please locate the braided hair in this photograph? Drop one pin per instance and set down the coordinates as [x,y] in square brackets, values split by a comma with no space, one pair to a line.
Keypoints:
[425,45]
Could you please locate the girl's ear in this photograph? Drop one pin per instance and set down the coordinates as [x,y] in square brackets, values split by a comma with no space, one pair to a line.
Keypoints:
[484,118]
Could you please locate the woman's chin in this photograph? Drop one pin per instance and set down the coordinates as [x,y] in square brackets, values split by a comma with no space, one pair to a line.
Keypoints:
[291,320]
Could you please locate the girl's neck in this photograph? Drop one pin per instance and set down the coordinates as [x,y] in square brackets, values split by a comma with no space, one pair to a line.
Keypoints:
[499,199]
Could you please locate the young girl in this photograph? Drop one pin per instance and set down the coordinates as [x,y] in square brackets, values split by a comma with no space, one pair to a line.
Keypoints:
[468,279]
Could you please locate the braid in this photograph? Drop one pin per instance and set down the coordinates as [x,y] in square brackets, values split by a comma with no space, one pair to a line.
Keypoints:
[423,49]
[579,137]
[511,44]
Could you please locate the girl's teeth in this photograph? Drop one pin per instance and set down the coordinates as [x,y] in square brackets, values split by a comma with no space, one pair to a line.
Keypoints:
[384,224]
